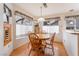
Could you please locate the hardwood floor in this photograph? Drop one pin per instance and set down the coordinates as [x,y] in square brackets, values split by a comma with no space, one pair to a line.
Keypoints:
[24,50]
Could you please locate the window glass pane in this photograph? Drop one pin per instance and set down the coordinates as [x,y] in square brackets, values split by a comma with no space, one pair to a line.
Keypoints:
[51,26]
[23,29]
[72,22]
[50,29]
[24,24]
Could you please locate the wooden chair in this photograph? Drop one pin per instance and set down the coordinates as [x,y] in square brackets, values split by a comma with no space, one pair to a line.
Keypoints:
[36,44]
[50,43]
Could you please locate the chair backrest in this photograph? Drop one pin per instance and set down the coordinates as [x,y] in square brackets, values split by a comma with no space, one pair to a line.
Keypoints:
[34,39]
[52,38]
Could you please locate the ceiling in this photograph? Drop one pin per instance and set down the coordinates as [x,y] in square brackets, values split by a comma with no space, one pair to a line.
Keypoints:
[53,8]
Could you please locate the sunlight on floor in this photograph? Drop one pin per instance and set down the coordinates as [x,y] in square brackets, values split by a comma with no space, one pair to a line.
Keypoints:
[24,50]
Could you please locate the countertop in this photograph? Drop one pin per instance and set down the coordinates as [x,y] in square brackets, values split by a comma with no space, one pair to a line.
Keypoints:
[72,31]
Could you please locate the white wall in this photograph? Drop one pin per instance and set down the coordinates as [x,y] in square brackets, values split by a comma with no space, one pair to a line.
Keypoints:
[4,50]
[1,30]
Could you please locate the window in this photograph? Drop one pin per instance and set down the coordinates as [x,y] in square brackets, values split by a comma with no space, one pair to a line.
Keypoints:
[24,24]
[72,22]
[51,25]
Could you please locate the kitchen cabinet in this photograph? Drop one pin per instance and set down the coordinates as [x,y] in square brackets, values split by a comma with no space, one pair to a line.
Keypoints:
[70,42]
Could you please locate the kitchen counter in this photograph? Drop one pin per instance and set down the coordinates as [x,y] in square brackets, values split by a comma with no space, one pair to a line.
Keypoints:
[72,31]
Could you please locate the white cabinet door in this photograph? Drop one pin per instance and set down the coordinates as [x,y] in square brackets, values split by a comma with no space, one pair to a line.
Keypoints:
[70,43]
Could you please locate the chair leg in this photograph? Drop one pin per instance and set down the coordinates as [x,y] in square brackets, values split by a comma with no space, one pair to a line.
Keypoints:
[28,44]
[30,52]
[53,51]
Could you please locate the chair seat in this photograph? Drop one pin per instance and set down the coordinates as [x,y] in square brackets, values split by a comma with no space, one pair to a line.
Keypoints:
[49,46]
[48,41]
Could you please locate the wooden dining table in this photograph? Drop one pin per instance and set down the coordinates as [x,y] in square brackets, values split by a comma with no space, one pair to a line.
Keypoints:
[43,36]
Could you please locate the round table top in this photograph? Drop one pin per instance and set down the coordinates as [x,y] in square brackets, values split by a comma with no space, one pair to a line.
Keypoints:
[44,36]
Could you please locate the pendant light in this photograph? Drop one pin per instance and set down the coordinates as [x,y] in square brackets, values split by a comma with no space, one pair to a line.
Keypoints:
[41,19]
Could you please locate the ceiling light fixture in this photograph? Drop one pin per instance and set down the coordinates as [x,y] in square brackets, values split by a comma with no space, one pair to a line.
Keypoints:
[45,5]
[41,19]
